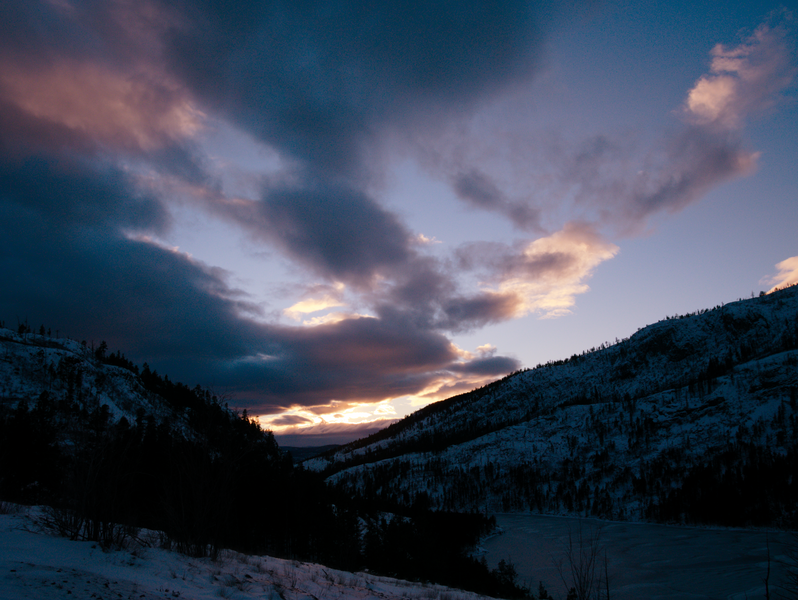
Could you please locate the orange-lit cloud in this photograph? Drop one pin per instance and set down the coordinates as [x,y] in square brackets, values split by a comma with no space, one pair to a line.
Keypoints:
[787,275]
[333,317]
[423,240]
[549,272]
[138,111]
[311,305]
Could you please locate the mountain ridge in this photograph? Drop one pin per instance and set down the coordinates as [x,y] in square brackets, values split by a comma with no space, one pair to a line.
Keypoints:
[619,432]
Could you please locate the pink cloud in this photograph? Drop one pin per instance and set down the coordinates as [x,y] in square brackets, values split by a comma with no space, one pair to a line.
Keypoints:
[743,80]
[124,110]
[543,276]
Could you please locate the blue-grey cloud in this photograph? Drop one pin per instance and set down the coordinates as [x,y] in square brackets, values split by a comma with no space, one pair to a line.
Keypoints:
[495,366]
[320,79]
[336,230]
[477,189]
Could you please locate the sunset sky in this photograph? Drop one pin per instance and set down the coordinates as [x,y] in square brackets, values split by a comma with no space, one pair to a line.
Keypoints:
[334,213]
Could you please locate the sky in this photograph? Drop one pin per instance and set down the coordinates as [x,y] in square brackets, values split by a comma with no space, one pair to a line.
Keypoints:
[334,213]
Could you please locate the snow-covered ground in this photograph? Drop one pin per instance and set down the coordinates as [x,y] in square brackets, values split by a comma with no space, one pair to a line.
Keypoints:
[655,562]
[38,566]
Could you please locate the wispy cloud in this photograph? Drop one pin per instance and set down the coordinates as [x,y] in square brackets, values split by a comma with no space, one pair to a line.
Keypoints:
[743,79]
[544,275]
[787,274]
[541,178]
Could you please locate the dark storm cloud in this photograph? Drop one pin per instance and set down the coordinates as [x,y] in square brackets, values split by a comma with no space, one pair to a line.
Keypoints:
[22,134]
[465,313]
[354,359]
[323,81]
[290,420]
[331,433]
[426,295]
[65,193]
[67,263]
[319,79]
[36,29]
[337,230]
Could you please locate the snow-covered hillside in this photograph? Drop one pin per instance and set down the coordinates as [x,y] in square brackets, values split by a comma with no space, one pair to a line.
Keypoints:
[115,447]
[628,430]
[37,566]
[32,363]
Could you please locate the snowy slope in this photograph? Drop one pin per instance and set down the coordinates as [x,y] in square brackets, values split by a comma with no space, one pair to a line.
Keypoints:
[609,432]
[31,364]
[37,566]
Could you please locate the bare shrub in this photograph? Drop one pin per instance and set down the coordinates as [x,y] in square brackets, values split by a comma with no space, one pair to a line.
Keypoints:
[9,508]
[787,587]
[583,567]
[71,524]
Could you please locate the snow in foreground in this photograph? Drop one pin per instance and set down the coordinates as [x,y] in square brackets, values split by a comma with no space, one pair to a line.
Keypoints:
[37,566]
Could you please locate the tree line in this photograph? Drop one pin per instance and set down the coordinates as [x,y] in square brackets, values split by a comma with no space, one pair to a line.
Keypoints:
[208,477]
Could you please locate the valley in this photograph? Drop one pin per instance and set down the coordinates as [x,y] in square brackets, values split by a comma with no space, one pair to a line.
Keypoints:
[678,442]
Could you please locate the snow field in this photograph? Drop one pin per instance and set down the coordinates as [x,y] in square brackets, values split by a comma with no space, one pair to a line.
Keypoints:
[37,566]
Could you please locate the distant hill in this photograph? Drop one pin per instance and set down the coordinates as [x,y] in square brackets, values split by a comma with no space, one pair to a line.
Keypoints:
[302,453]
[691,419]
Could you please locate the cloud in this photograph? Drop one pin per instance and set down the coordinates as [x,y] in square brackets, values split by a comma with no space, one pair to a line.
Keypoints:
[353,359]
[787,275]
[463,313]
[328,433]
[543,275]
[63,193]
[288,420]
[112,108]
[322,84]
[82,226]
[330,299]
[491,365]
[104,110]
[424,240]
[540,177]
[693,163]
[479,190]
[335,230]
[743,79]
[72,264]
